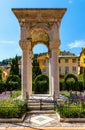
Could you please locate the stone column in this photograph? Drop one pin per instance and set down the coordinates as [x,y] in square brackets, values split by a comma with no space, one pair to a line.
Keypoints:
[26,69]
[55,70]
[50,78]
[30,73]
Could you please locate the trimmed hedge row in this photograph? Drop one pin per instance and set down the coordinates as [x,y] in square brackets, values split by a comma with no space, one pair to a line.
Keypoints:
[12,108]
[70,85]
[72,111]
[13,82]
[3,86]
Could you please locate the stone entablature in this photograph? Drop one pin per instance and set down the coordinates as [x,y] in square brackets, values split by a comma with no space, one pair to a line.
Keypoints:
[43,15]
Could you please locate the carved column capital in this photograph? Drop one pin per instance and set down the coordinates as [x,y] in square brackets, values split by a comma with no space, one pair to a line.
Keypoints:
[54,46]
[25,44]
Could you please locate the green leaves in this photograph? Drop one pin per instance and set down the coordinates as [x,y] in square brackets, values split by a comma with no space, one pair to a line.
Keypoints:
[14,66]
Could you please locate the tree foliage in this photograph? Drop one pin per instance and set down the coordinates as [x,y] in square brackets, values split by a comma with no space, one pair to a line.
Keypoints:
[14,66]
[84,77]
[41,84]
[35,69]
[13,82]
[70,85]
[0,74]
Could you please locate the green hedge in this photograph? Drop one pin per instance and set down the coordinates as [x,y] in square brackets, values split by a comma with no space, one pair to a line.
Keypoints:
[13,82]
[3,86]
[73,111]
[81,85]
[12,108]
[62,85]
[70,85]
[71,82]
[41,84]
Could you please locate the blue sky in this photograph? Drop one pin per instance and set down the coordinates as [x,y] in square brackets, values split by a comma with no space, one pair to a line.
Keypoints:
[72,29]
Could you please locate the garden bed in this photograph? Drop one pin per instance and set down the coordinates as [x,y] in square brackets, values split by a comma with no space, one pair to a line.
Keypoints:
[12,110]
[70,120]
[75,120]
[72,111]
[11,120]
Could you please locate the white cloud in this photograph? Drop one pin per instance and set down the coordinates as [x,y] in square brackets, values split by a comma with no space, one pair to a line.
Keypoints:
[77,44]
[7,42]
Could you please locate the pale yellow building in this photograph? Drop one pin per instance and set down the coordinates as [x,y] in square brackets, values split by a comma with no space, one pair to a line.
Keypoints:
[82,59]
[68,63]
[5,71]
[43,63]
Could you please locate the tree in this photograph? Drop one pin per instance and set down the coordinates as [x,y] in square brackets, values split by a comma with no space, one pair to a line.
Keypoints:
[0,74]
[35,69]
[73,84]
[84,77]
[14,66]
[41,84]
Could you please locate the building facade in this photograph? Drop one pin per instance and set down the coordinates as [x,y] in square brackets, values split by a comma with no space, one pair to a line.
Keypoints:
[82,60]
[68,63]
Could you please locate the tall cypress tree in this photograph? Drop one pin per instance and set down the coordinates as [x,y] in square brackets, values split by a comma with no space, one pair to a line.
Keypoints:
[14,66]
[35,68]
[0,74]
[84,78]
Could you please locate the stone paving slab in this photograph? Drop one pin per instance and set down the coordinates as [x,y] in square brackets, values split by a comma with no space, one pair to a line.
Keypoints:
[42,128]
[55,124]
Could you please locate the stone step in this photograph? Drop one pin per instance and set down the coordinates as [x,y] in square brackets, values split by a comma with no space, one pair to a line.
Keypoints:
[50,107]
[41,112]
[38,104]
[37,101]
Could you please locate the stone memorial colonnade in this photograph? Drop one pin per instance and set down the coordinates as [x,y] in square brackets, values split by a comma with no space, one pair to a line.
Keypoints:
[39,26]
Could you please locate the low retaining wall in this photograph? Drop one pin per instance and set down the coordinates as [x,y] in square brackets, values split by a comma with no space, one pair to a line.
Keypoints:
[10,120]
[76,120]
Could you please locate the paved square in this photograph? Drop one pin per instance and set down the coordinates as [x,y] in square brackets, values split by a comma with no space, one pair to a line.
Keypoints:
[41,119]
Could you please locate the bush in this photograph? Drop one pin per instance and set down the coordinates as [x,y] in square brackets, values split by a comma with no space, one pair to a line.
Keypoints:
[16,94]
[13,82]
[73,111]
[62,85]
[41,84]
[81,87]
[72,84]
[3,86]
[12,108]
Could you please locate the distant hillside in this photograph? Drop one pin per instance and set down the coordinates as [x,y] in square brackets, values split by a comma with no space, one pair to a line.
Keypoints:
[7,61]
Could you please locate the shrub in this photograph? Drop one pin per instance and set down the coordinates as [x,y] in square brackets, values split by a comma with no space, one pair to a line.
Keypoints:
[12,108]
[3,86]
[73,84]
[62,85]
[16,94]
[13,82]
[72,111]
[41,84]
[81,87]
